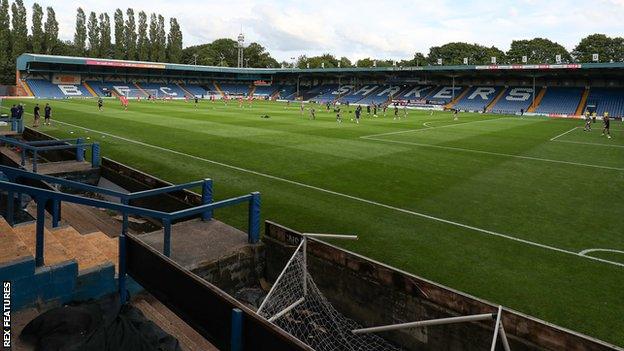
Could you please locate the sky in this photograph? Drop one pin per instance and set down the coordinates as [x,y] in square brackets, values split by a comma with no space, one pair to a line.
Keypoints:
[363,28]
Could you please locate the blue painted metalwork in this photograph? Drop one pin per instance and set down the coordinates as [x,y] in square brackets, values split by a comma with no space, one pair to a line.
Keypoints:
[80,150]
[56,213]
[39,244]
[254,218]
[42,196]
[95,155]
[38,146]
[207,198]
[236,337]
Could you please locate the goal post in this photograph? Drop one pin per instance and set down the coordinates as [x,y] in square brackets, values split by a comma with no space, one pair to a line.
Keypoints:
[139,93]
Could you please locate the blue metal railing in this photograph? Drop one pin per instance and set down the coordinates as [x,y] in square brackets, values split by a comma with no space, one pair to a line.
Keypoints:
[48,145]
[43,196]
[17,124]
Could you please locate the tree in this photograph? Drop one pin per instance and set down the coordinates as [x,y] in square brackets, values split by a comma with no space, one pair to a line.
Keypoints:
[80,35]
[537,50]
[5,43]
[19,30]
[93,30]
[255,55]
[120,42]
[161,40]
[174,42]
[345,62]
[153,40]
[328,60]
[608,49]
[454,54]
[37,40]
[418,60]
[105,36]
[51,28]
[142,41]
[130,41]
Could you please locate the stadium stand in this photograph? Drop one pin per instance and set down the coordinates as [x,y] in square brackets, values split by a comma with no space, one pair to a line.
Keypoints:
[417,92]
[360,93]
[331,92]
[609,100]
[444,94]
[196,90]
[478,98]
[381,95]
[45,89]
[514,100]
[265,90]
[234,88]
[287,92]
[164,89]
[559,100]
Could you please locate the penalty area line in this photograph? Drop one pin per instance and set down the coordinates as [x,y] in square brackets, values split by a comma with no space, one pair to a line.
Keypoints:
[355,198]
[562,134]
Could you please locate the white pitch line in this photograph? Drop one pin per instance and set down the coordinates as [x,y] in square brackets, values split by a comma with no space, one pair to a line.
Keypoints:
[585,143]
[398,209]
[585,252]
[494,153]
[429,128]
[562,134]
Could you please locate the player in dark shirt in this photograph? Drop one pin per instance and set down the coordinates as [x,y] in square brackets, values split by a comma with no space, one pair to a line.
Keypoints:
[20,111]
[358,112]
[100,104]
[374,110]
[14,111]
[396,111]
[338,116]
[312,113]
[196,101]
[47,114]
[588,122]
[606,121]
[37,114]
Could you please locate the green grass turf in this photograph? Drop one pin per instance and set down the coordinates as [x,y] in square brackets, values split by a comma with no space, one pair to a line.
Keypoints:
[464,172]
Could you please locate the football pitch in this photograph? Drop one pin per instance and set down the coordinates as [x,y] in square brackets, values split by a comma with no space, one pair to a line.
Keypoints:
[523,212]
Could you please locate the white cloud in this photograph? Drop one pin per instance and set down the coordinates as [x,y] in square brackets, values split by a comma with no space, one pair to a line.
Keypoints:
[368,28]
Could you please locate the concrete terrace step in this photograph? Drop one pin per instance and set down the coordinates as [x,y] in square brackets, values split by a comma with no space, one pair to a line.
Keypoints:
[53,251]
[189,339]
[11,246]
[79,248]
[108,246]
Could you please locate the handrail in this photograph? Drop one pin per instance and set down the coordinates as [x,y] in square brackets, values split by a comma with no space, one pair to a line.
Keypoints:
[42,196]
[80,147]
[165,189]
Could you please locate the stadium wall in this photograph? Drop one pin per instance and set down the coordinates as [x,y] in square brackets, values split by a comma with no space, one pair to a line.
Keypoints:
[375,294]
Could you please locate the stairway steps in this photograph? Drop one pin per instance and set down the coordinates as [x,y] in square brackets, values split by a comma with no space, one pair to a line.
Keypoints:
[11,246]
[53,251]
[108,246]
[79,248]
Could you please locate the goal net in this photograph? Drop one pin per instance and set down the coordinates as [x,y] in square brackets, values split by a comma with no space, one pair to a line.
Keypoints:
[139,93]
[296,305]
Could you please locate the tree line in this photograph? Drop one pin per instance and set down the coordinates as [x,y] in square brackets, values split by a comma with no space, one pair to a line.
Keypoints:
[128,37]
[537,50]
[133,36]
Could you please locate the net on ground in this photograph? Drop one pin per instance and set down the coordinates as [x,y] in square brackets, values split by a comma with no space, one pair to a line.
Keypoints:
[313,319]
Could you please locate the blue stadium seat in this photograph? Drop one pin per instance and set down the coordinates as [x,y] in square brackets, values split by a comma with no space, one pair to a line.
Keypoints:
[196,90]
[42,88]
[477,98]
[559,100]
[234,88]
[265,90]
[514,100]
[164,89]
[609,100]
